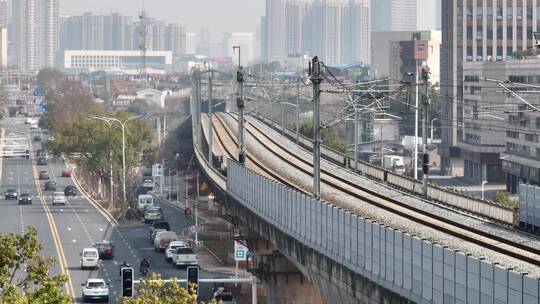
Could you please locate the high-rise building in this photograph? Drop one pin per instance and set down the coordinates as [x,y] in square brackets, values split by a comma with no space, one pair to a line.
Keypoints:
[93,32]
[486,31]
[3,14]
[176,38]
[190,43]
[3,47]
[203,48]
[395,15]
[35,35]
[115,31]
[244,41]
[275,31]
[357,32]
[294,22]
[159,34]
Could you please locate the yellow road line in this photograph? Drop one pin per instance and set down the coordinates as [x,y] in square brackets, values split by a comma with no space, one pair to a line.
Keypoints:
[57,243]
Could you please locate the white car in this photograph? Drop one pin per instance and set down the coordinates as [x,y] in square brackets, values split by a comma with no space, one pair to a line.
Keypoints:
[185,256]
[152,214]
[95,289]
[59,198]
[171,249]
[90,258]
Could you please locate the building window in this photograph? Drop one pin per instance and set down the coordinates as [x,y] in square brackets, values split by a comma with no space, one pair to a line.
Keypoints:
[512,134]
[519,32]
[489,13]
[499,33]
[421,47]
[509,13]
[499,13]
[519,12]
[531,137]
[469,13]
[479,12]
[509,33]
[529,12]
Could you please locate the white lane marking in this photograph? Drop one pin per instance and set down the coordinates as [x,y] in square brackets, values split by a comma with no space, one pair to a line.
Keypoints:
[74,241]
[22,219]
[68,228]
[100,229]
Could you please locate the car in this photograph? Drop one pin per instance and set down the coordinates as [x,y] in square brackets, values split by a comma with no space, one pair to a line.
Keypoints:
[173,194]
[153,234]
[50,186]
[152,214]
[66,173]
[223,296]
[105,249]
[12,194]
[95,290]
[42,161]
[185,256]
[25,198]
[59,199]
[171,249]
[70,191]
[44,175]
[159,225]
[90,258]
[37,138]
[163,239]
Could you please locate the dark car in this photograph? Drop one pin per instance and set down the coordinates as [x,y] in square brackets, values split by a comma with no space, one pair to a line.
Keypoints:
[105,249]
[11,194]
[25,198]
[172,195]
[44,175]
[50,186]
[42,161]
[37,138]
[159,225]
[70,191]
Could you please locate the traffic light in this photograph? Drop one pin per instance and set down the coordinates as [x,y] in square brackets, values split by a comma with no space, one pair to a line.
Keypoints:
[127,282]
[192,279]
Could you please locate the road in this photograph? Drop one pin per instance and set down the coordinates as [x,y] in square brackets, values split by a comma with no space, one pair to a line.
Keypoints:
[65,230]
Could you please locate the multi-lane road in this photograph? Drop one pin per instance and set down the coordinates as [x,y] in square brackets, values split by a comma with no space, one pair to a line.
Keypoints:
[65,230]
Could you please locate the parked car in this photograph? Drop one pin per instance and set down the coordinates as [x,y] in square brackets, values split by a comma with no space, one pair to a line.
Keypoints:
[90,258]
[153,214]
[171,249]
[66,173]
[25,198]
[223,296]
[185,256]
[70,191]
[159,225]
[44,175]
[59,199]
[95,289]
[50,186]
[162,240]
[37,138]
[12,194]
[105,249]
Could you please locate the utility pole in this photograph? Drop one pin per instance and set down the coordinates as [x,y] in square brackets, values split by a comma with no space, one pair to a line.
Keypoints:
[416,125]
[316,79]
[355,140]
[298,110]
[425,122]
[158,124]
[240,104]
[210,123]
[198,107]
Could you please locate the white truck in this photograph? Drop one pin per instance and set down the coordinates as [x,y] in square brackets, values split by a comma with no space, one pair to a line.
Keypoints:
[184,256]
[144,201]
[394,163]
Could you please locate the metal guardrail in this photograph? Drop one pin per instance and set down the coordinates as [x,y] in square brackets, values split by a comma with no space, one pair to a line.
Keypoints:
[440,195]
[417,269]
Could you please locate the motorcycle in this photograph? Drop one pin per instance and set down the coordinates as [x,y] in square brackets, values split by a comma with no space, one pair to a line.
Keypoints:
[143,271]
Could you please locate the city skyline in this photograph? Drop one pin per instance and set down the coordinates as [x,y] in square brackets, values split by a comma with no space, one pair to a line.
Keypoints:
[225,16]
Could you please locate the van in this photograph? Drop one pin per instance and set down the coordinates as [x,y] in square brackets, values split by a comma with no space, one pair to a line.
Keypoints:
[144,201]
[90,258]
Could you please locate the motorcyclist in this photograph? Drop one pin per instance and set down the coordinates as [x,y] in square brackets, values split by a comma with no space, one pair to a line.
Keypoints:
[145,264]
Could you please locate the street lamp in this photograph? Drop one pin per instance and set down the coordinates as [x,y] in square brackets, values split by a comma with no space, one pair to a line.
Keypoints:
[110,121]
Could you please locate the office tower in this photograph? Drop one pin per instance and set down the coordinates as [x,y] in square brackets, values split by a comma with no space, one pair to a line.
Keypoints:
[203,48]
[3,14]
[159,34]
[190,43]
[92,32]
[35,35]
[486,31]
[295,15]
[115,31]
[357,32]
[244,41]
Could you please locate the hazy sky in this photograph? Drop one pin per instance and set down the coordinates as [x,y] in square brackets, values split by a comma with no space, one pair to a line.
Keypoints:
[219,15]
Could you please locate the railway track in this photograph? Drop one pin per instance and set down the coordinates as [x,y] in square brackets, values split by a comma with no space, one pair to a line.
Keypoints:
[496,243]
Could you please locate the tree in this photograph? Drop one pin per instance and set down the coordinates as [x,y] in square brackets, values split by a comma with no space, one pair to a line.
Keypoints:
[502,198]
[328,136]
[156,291]
[24,272]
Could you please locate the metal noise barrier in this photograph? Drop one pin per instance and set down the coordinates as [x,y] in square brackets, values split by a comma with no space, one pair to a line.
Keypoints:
[417,269]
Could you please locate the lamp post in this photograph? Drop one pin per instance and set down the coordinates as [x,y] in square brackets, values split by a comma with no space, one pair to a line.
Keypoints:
[110,121]
[240,104]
